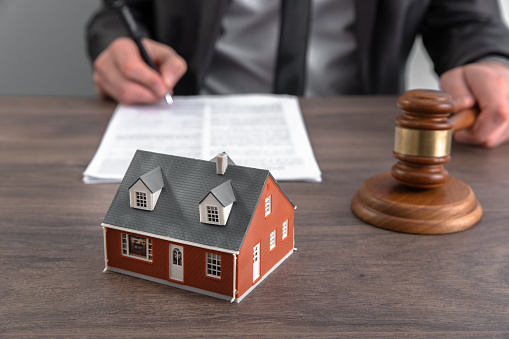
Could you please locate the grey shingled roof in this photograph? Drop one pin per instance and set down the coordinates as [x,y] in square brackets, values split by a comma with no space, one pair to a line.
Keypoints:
[223,193]
[186,182]
[152,179]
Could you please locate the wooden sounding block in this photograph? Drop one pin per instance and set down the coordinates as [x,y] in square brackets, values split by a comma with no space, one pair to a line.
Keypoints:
[418,196]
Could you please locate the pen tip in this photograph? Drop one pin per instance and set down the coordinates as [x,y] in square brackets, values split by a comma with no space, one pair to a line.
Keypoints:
[168,98]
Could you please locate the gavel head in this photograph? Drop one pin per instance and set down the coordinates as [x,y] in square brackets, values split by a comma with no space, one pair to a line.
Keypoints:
[423,138]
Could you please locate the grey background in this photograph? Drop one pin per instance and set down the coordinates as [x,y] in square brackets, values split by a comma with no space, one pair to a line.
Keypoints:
[42,49]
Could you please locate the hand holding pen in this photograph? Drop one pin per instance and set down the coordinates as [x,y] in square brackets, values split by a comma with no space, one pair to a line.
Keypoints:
[133,75]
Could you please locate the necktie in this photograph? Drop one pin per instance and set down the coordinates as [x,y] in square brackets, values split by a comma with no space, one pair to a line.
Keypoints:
[291,56]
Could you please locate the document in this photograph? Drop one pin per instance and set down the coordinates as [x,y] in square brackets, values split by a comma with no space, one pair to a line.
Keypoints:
[261,131]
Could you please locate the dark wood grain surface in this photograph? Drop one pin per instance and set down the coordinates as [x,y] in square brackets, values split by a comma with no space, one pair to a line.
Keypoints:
[346,279]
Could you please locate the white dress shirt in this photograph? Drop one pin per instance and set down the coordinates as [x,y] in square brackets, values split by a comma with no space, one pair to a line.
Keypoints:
[245,54]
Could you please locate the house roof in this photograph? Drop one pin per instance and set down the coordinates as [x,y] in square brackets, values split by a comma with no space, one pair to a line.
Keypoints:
[186,182]
[152,179]
[223,193]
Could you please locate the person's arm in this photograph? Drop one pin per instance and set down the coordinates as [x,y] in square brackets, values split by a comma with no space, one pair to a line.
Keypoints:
[105,25]
[457,35]
[119,71]
[484,84]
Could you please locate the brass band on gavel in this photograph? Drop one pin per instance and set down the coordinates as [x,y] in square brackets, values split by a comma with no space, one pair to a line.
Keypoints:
[422,143]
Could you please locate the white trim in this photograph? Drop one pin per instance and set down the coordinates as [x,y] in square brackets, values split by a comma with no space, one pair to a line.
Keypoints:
[169,283]
[105,251]
[234,277]
[124,247]
[198,290]
[212,248]
[238,300]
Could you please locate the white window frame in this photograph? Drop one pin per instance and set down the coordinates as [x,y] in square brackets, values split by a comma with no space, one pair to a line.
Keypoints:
[213,265]
[212,214]
[141,199]
[285,229]
[268,205]
[272,240]
[125,247]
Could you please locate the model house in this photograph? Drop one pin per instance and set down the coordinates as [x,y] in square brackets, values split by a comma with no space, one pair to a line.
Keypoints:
[210,227]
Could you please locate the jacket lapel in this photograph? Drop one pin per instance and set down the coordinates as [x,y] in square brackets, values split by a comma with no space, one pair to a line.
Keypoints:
[211,13]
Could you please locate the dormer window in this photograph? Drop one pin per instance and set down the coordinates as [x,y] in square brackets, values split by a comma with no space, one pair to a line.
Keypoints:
[145,191]
[141,199]
[215,208]
[212,215]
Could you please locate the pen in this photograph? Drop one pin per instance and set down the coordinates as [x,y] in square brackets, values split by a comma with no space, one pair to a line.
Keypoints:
[134,32]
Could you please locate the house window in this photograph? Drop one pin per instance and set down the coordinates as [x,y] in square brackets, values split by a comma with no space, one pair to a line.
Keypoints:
[136,247]
[124,244]
[272,240]
[141,199]
[267,205]
[212,214]
[213,265]
[177,257]
[285,229]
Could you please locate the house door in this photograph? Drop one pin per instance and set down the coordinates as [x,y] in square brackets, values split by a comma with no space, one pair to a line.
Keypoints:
[256,262]
[176,262]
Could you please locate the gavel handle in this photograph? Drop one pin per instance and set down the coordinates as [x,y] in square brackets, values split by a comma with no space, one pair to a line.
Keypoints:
[464,119]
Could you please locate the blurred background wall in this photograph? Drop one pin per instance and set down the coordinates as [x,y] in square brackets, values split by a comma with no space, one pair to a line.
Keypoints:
[42,49]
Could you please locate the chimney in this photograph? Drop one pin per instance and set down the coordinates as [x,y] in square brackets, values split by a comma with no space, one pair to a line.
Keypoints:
[221,163]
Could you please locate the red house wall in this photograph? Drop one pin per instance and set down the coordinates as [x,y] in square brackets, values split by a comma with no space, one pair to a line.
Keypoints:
[158,268]
[194,263]
[259,232]
[195,271]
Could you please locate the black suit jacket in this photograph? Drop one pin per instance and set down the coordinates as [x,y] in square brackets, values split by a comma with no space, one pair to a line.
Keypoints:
[455,32]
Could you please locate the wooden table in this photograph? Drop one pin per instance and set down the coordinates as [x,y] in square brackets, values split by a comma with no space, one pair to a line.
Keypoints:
[347,278]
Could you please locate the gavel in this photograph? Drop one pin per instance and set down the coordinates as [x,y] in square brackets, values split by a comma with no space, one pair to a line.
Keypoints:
[417,195]
[423,137]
